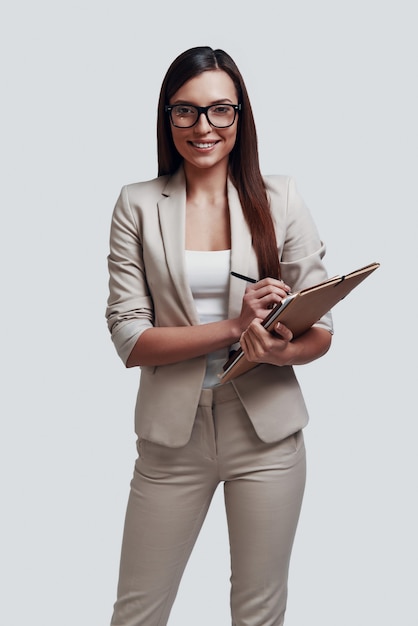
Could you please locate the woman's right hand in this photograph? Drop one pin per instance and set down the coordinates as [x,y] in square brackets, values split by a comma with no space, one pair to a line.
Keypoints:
[260,298]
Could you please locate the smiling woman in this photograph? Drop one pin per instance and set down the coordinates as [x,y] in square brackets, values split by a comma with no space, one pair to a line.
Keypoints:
[175,309]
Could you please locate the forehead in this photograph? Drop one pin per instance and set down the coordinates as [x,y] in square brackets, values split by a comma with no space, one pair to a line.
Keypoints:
[210,86]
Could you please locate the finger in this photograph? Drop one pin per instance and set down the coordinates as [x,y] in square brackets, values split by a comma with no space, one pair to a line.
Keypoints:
[286,287]
[265,299]
[256,340]
[283,331]
[272,282]
[251,347]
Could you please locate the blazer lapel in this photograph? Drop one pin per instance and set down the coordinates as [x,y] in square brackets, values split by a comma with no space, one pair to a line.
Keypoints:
[172,215]
[243,258]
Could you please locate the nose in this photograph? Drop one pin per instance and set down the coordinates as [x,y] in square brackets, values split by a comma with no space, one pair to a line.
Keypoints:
[202,125]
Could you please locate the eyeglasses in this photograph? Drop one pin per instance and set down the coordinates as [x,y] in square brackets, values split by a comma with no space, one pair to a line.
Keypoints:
[187,115]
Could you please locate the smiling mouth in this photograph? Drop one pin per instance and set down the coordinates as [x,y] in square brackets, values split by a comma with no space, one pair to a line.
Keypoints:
[203,145]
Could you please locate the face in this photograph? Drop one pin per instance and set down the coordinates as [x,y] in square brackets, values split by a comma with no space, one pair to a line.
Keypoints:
[204,146]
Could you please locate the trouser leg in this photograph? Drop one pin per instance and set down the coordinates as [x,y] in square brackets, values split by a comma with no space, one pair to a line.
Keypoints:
[263,495]
[170,494]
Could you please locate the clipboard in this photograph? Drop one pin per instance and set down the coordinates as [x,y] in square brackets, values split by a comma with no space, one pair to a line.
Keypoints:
[299,311]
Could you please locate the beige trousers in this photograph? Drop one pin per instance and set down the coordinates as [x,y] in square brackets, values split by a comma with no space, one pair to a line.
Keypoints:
[171,491]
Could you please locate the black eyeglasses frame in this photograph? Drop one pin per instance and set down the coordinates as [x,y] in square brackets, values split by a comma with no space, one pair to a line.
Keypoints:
[203,111]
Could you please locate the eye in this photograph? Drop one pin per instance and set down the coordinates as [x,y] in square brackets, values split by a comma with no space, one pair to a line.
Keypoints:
[184,110]
[221,109]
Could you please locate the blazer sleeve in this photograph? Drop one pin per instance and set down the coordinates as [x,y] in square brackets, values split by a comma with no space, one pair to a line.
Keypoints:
[129,309]
[300,246]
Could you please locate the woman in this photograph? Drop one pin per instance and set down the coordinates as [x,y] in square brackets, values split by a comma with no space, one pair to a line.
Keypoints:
[176,311]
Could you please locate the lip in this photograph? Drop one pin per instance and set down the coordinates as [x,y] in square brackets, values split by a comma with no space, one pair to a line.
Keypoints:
[203,146]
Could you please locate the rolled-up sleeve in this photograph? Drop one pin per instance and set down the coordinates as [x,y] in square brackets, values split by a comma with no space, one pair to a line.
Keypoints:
[129,309]
[302,250]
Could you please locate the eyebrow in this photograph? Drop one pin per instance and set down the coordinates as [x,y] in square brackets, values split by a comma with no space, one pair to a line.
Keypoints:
[221,101]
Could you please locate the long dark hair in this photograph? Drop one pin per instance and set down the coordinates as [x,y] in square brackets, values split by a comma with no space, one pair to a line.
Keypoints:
[244,167]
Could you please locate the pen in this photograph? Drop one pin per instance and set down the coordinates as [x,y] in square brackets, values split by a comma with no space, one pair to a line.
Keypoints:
[249,280]
[252,280]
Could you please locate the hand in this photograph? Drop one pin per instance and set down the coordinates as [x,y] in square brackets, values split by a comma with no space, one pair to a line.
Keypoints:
[260,298]
[262,346]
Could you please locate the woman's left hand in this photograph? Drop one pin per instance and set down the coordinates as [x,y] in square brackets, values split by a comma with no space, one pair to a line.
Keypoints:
[262,346]
[278,347]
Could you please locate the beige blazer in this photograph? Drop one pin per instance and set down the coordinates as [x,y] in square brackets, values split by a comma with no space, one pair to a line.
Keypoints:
[148,286]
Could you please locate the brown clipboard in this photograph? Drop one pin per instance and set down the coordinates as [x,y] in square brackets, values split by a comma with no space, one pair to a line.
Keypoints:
[299,311]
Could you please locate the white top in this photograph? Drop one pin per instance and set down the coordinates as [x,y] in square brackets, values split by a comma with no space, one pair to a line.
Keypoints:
[208,275]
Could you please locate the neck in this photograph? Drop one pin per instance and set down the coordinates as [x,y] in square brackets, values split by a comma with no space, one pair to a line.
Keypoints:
[206,183]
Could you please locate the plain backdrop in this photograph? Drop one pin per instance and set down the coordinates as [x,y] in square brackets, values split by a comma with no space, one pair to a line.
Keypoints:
[333,88]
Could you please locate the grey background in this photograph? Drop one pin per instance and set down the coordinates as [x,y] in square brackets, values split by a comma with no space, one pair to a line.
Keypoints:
[333,87]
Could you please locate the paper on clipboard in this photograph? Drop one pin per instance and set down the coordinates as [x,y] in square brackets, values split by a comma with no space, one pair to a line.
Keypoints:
[300,311]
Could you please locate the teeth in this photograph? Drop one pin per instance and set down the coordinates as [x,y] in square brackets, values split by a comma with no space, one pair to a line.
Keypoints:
[204,145]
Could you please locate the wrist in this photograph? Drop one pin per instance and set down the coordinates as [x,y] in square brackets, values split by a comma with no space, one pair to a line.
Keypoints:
[235,330]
